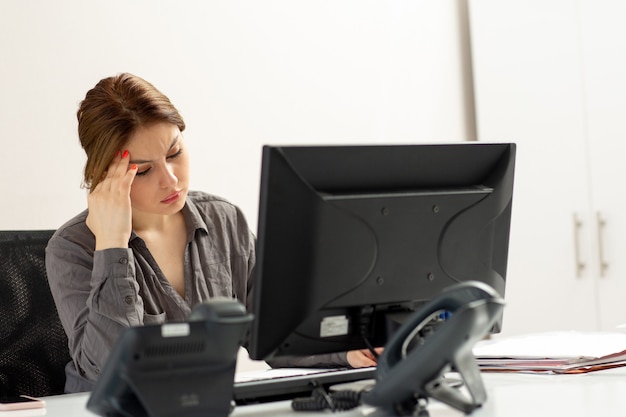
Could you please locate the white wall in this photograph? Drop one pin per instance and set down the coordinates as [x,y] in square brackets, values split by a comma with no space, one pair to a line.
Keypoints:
[242,73]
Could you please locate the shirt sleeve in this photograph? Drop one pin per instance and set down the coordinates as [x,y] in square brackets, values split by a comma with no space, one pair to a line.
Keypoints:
[330,360]
[96,296]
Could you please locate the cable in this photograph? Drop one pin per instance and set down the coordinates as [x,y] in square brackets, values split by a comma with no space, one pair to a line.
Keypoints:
[321,400]
[370,347]
[364,327]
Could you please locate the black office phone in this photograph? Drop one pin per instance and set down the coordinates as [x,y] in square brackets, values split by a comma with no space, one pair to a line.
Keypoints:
[405,374]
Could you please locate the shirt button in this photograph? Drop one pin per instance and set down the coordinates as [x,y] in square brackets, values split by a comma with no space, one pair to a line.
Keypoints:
[124,261]
[128,300]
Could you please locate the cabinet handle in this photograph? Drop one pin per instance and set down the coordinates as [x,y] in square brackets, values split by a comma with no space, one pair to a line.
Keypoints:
[604,264]
[580,265]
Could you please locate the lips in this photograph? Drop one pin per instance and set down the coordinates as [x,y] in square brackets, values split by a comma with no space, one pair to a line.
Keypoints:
[175,196]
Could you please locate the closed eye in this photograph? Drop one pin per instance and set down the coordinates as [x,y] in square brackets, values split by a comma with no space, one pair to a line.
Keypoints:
[176,155]
[144,172]
[173,156]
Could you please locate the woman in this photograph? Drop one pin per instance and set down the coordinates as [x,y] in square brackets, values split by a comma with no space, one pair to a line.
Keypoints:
[147,249]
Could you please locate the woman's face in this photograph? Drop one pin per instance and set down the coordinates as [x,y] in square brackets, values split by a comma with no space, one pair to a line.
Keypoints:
[162,180]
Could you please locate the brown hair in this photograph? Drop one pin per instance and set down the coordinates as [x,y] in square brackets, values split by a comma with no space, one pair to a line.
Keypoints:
[111,112]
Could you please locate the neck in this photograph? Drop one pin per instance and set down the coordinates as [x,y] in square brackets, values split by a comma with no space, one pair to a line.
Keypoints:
[146,223]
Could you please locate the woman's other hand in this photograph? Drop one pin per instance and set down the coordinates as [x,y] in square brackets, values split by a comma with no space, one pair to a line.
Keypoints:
[363,358]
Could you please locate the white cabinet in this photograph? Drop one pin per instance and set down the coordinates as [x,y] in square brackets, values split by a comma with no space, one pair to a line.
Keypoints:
[550,75]
[603,43]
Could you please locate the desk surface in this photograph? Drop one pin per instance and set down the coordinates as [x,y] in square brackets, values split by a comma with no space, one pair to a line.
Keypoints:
[511,395]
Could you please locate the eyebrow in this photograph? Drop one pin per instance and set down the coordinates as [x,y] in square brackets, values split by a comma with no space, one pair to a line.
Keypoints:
[145,161]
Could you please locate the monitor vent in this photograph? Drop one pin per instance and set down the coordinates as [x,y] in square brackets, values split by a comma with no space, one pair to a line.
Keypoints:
[173,349]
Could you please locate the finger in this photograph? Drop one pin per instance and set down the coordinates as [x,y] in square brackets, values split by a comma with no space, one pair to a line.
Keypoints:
[372,355]
[116,179]
[129,176]
[118,165]
[110,173]
[367,354]
[121,165]
[367,361]
[361,358]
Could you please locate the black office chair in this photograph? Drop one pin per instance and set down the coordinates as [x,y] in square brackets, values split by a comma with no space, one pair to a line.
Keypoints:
[33,344]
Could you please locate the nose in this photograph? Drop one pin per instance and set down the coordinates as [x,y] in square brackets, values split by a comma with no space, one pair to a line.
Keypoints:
[167,177]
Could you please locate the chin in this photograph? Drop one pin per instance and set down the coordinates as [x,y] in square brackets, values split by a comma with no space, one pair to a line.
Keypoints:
[175,207]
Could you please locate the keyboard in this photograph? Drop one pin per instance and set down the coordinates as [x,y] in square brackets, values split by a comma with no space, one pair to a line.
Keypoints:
[284,387]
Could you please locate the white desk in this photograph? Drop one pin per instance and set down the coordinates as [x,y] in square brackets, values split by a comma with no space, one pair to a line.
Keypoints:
[510,395]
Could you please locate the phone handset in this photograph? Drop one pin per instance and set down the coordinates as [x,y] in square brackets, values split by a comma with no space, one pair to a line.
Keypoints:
[406,374]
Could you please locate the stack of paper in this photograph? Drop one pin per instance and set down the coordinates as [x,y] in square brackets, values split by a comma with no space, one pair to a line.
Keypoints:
[554,352]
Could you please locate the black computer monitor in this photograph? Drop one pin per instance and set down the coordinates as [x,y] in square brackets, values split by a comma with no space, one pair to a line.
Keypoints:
[352,239]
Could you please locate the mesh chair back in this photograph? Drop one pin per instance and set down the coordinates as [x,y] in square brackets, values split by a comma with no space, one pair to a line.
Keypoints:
[33,344]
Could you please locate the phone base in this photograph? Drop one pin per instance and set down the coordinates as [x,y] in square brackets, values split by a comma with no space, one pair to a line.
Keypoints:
[444,391]
[406,378]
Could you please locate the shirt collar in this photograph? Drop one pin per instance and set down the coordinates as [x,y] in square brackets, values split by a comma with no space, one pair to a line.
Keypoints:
[193,221]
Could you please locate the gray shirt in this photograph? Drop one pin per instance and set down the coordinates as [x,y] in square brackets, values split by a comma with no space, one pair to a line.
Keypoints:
[99,293]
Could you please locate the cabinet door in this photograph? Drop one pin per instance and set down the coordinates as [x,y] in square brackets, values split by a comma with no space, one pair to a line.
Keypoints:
[603,40]
[529,90]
